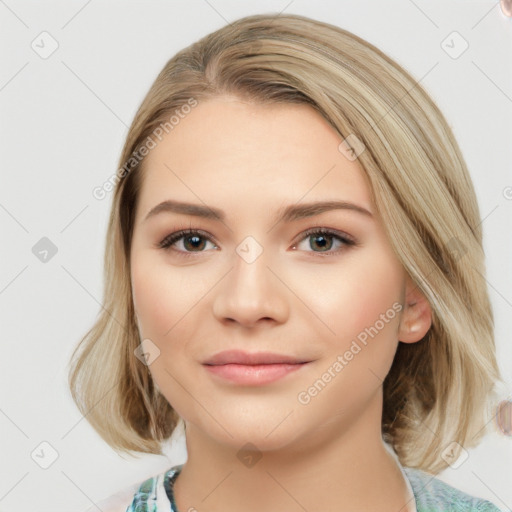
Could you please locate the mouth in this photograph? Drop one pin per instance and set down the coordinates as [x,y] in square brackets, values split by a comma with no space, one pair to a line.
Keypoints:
[246,368]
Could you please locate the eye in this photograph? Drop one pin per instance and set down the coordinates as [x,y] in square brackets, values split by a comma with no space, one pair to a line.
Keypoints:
[189,240]
[324,239]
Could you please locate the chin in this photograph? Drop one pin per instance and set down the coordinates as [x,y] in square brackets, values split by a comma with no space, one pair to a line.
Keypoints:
[261,433]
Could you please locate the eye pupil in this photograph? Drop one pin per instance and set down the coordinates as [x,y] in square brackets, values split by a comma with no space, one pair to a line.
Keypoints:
[196,239]
[322,245]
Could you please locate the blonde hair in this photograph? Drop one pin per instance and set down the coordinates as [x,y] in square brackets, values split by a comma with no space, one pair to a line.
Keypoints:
[437,390]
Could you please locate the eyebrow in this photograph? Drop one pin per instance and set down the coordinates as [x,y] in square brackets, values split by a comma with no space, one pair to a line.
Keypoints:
[285,214]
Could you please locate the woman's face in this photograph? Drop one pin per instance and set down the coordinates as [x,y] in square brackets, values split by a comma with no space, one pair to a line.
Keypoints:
[252,279]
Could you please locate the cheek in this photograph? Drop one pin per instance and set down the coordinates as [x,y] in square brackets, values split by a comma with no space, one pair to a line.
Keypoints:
[161,304]
[157,298]
[364,304]
[166,302]
[147,301]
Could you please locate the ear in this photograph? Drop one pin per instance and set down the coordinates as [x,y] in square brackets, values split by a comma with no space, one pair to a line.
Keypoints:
[416,317]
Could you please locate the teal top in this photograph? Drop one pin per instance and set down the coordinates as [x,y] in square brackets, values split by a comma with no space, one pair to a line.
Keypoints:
[431,494]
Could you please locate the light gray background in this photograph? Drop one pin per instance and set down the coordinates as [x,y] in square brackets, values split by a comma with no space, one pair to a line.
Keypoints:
[63,122]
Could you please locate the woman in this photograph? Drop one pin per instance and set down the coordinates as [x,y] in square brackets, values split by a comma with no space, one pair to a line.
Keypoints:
[281,358]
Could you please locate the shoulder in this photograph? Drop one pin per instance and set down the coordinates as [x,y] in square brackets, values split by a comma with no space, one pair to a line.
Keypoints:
[431,493]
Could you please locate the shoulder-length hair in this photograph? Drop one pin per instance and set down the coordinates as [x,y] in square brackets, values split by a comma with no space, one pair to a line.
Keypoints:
[437,390]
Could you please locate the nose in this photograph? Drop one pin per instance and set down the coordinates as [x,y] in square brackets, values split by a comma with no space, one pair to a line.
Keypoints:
[251,293]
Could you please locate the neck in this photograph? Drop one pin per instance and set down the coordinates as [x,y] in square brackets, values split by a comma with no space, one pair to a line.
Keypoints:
[326,470]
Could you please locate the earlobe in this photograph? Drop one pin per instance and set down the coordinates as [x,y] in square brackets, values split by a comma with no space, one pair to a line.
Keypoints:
[416,317]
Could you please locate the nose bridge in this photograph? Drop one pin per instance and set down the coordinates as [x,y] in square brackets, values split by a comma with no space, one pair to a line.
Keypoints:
[251,291]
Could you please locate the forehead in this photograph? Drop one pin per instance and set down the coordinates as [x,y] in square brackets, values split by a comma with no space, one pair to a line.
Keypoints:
[227,151]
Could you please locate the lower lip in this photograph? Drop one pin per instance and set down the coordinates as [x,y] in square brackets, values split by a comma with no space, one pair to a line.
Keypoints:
[253,375]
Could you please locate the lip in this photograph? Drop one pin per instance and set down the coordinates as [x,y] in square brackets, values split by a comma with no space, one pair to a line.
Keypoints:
[254,358]
[253,369]
[253,375]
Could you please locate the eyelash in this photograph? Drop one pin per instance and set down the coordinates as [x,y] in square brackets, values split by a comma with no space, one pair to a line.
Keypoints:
[347,240]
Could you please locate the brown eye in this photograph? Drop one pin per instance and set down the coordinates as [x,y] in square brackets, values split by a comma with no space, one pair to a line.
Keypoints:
[193,241]
[324,239]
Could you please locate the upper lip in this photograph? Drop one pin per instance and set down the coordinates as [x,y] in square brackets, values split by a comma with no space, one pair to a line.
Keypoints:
[247,358]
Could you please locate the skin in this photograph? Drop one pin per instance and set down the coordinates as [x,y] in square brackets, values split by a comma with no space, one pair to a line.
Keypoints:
[250,160]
